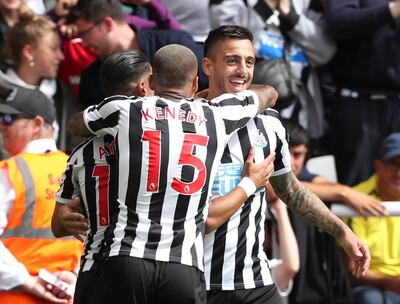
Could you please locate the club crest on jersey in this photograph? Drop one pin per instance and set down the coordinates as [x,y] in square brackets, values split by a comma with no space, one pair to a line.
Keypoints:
[259,140]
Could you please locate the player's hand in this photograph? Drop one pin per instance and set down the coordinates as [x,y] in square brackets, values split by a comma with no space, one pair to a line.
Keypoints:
[73,221]
[261,172]
[37,287]
[357,252]
[364,204]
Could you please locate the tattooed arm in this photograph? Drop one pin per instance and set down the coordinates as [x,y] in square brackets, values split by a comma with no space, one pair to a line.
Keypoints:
[76,125]
[266,94]
[307,204]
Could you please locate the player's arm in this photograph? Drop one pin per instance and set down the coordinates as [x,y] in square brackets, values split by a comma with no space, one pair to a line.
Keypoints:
[255,176]
[77,126]
[98,119]
[67,220]
[307,204]
[267,96]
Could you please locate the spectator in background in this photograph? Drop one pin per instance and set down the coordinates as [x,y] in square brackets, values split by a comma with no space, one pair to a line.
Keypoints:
[29,181]
[150,14]
[10,12]
[76,57]
[280,242]
[381,284]
[33,48]
[192,15]
[322,277]
[102,26]
[298,26]
[366,72]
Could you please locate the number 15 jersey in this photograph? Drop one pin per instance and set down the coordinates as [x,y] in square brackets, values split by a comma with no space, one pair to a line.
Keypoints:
[166,158]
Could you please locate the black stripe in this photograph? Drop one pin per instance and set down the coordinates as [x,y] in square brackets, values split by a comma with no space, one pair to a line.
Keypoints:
[79,146]
[211,151]
[134,178]
[244,140]
[114,210]
[232,125]
[109,122]
[242,242]
[226,157]
[110,99]
[272,113]
[90,190]
[278,163]
[183,200]
[158,199]
[261,127]
[256,267]
[235,101]
[218,252]
[68,186]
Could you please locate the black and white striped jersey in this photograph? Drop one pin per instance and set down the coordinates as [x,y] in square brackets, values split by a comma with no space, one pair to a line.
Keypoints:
[88,175]
[167,156]
[233,253]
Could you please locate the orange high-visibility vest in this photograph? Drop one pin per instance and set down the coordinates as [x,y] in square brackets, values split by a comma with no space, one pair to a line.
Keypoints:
[28,236]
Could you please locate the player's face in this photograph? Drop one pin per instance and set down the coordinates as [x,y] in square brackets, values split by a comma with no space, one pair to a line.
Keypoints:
[231,66]
[298,155]
[388,172]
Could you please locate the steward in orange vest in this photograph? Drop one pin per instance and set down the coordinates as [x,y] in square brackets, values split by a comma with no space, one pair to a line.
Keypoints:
[30,180]
[28,236]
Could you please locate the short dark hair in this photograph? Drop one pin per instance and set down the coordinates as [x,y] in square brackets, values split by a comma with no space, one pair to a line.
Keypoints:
[96,10]
[122,70]
[174,66]
[296,133]
[224,32]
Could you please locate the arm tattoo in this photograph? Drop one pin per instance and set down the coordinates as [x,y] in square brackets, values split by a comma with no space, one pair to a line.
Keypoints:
[307,204]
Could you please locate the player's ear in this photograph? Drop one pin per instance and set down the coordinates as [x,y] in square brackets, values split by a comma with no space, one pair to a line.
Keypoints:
[151,82]
[207,66]
[141,89]
[195,84]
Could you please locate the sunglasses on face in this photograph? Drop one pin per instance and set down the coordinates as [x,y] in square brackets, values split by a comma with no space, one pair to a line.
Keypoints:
[8,119]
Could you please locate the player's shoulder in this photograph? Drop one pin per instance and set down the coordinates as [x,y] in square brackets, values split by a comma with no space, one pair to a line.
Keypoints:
[79,149]
[270,113]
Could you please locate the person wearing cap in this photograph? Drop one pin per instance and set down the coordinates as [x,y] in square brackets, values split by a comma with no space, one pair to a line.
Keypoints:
[29,180]
[381,283]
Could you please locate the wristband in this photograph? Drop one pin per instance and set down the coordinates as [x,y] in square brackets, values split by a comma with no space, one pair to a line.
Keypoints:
[248,186]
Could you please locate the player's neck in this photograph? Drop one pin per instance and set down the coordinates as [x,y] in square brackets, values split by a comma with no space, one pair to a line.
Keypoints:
[174,94]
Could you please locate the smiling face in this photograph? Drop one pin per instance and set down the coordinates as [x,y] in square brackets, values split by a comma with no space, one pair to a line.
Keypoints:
[230,66]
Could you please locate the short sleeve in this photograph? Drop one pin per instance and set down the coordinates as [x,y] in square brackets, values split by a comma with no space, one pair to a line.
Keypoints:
[69,187]
[102,119]
[237,109]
